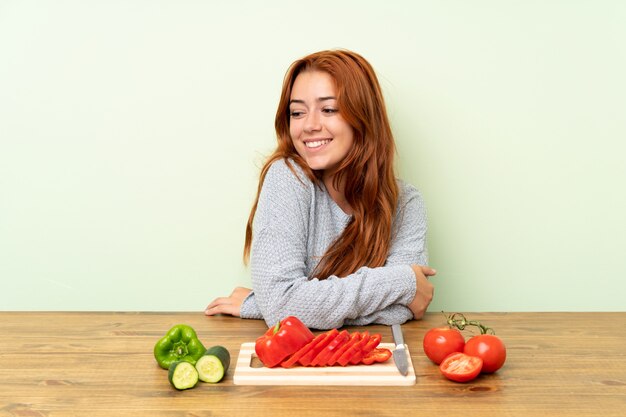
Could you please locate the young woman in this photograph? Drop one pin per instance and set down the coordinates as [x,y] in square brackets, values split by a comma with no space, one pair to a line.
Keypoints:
[333,237]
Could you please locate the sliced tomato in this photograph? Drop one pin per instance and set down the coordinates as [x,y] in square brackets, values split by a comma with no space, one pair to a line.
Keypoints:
[322,358]
[306,359]
[377,355]
[354,338]
[460,367]
[293,359]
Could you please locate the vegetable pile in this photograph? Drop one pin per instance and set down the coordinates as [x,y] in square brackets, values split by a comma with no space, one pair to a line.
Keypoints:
[459,360]
[290,343]
[187,360]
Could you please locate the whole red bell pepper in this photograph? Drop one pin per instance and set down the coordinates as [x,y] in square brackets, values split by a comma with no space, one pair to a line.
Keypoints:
[282,341]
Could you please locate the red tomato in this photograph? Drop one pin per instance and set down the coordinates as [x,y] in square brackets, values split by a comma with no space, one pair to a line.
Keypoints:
[442,341]
[460,367]
[489,348]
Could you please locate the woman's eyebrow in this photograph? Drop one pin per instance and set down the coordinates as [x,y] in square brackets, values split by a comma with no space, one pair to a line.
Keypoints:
[325,98]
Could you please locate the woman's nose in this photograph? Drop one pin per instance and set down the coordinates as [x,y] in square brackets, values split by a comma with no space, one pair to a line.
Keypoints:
[312,122]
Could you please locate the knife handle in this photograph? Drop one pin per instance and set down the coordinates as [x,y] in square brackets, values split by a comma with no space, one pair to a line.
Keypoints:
[396,331]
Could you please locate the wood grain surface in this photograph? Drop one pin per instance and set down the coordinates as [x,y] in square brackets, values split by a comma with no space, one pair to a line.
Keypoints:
[101,364]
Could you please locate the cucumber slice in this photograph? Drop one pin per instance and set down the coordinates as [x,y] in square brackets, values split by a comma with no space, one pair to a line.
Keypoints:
[182,375]
[212,366]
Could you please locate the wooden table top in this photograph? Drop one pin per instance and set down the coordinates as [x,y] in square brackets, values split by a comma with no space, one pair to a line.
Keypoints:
[101,364]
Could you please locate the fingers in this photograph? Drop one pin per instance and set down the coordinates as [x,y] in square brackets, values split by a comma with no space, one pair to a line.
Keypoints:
[231,309]
[228,305]
[424,292]
[221,305]
[219,301]
[428,271]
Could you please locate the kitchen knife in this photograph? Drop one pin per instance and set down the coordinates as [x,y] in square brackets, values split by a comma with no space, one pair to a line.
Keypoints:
[400,352]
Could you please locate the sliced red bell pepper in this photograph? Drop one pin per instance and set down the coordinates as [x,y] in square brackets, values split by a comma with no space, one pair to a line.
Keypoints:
[377,355]
[282,341]
[293,359]
[307,358]
[354,338]
[372,343]
[366,337]
[347,355]
[354,350]
[322,358]
[366,348]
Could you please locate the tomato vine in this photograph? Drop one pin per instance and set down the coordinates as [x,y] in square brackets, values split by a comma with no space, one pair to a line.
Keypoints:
[458,321]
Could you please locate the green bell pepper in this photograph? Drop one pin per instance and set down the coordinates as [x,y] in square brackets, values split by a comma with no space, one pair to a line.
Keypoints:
[180,343]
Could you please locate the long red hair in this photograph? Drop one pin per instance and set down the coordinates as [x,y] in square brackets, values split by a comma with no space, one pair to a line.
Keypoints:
[367,171]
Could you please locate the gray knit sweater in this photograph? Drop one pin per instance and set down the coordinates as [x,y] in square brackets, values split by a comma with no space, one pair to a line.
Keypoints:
[295,222]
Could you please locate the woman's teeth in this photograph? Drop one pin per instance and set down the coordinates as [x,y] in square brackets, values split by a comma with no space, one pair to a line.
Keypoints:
[317,143]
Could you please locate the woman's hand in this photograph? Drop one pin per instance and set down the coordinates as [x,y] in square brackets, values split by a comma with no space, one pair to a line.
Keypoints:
[228,305]
[424,292]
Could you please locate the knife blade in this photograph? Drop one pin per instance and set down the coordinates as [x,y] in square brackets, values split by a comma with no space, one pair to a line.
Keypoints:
[400,352]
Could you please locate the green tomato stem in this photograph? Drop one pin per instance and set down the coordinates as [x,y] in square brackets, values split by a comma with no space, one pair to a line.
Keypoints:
[458,320]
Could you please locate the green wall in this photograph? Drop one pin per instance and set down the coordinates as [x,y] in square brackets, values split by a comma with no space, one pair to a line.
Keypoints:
[131,135]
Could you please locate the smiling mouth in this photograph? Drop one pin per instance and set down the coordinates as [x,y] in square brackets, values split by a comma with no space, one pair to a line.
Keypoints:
[316,143]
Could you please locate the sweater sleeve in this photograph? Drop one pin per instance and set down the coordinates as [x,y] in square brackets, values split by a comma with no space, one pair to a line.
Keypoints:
[278,258]
[408,247]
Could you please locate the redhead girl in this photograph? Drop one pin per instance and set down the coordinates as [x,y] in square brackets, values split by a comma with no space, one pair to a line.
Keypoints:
[333,237]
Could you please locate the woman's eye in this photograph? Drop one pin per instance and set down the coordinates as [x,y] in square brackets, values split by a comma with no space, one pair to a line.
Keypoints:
[329,110]
[296,113]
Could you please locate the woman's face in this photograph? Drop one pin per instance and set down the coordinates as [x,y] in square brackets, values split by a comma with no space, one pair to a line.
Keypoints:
[319,133]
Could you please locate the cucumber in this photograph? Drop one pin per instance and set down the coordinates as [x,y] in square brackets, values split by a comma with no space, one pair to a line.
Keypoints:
[182,375]
[212,366]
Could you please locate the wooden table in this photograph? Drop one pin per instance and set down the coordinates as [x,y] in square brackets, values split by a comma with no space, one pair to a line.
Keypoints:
[101,364]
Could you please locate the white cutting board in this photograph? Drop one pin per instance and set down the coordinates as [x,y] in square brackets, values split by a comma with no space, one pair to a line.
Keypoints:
[249,372]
